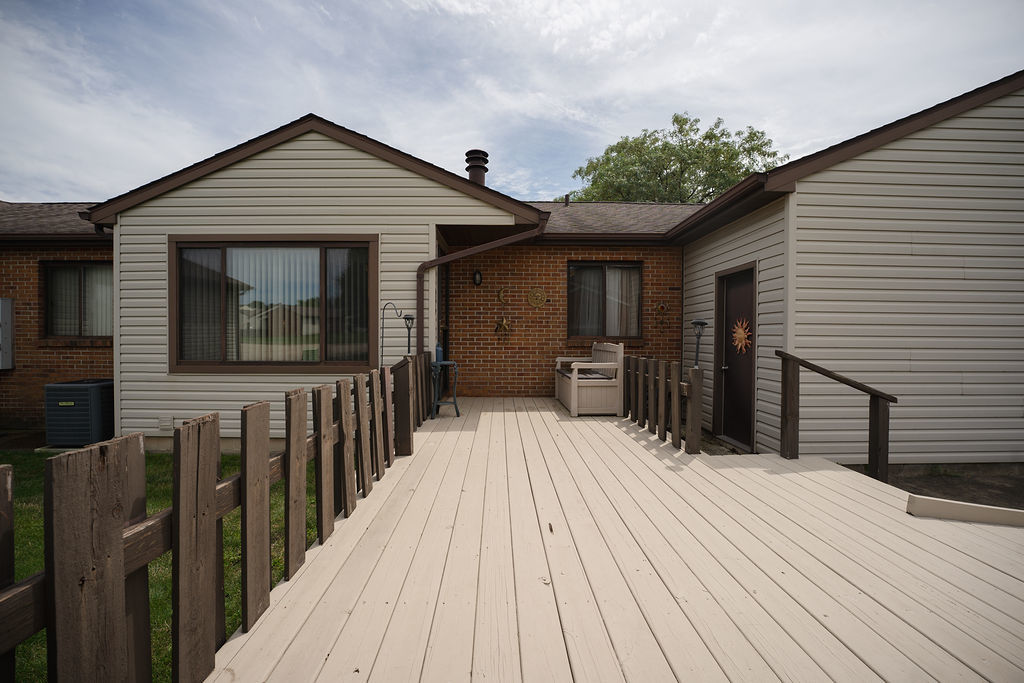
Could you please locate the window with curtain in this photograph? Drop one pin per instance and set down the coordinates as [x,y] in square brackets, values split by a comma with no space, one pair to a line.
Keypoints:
[270,303]
[79,299]
[604,300]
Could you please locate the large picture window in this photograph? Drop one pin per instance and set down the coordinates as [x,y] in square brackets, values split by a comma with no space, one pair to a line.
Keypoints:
[604,300]
[275,304]
[79,299]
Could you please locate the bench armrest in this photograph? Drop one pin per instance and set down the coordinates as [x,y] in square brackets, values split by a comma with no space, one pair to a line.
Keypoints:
[568,359]
[587,365]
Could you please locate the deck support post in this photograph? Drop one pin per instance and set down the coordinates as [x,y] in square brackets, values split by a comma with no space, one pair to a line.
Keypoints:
[676,392]
[878,438]
[694,401]
[789,443]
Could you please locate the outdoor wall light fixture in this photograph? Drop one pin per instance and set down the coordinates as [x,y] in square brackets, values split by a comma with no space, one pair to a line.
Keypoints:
[408,318]
[477,277]
[698,330]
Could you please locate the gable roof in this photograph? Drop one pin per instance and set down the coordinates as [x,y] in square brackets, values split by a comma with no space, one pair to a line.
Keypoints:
[759,189]
[35,221]
[105,213]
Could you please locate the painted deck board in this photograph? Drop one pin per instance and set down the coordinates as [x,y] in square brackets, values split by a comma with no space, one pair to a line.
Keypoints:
[518,543]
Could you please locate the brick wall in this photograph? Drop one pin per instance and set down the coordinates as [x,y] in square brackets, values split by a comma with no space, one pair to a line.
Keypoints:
[38,360]
[523,364]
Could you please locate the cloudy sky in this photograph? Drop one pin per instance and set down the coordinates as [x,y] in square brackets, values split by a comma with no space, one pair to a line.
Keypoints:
[99,97]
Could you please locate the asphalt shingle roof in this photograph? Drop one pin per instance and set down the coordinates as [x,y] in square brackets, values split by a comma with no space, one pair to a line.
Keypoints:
[596,218]
[51,218]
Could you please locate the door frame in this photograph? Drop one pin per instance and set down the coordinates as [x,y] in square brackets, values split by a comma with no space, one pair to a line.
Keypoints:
[717,417]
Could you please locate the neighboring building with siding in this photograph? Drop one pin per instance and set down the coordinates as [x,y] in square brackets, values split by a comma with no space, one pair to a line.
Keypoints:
[57,272]
[895,258]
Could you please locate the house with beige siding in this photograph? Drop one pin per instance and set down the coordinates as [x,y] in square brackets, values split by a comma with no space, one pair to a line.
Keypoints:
[266,267]
[895,258]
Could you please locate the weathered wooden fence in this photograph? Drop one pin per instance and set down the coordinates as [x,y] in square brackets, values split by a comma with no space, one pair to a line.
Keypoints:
[93,597]
[653,393]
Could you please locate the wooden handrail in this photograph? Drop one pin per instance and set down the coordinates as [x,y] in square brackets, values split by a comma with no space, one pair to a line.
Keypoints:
[878,413]
[859,386]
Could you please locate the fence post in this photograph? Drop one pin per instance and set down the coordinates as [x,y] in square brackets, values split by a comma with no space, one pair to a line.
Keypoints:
[255,482]
[295,481]
[377,426]
[662,381]
[404,421]
[789,442]
[194,554]
[7,553]
[627,385]
[652,396]
[346,445]
[694,401]
[364,456]
[427,387]
[878,438]
[84,505]
[641,407]
[323,429]
[417,390]
[676,393]
[136,586]
[387,389]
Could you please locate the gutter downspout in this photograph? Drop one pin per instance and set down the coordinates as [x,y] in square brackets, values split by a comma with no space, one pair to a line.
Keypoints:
[422,269]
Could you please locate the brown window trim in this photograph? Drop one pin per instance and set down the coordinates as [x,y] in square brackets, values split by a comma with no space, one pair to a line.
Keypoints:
[628,341]
[175,242]
[47,339]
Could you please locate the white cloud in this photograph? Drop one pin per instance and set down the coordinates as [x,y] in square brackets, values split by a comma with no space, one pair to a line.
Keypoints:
[98,102]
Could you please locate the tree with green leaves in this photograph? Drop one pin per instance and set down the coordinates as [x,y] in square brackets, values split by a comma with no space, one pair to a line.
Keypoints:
[680,164]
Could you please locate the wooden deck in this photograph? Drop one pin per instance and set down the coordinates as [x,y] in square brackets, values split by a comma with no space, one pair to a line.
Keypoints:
[521,544]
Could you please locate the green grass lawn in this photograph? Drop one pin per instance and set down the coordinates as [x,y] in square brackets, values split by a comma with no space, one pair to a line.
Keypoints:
[28,555]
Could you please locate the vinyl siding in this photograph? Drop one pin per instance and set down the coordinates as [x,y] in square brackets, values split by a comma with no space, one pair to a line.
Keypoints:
[910,277]
[759,237]
[309,185]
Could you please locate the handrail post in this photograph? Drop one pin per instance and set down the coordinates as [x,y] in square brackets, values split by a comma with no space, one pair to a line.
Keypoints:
[878,438]
[789,442]
[694,401]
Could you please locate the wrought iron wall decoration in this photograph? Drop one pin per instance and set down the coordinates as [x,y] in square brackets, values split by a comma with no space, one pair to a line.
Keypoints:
[504,328]
[537,297]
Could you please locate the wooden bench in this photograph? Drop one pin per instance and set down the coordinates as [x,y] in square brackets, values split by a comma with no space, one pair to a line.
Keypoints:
[593,385]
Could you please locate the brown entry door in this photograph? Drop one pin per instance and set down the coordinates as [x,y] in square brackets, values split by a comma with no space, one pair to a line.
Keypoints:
[734,358]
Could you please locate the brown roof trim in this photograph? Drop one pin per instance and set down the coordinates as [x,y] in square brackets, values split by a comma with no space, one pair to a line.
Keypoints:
[52,240]
[745,196]
[784,177]
[106,212]
[600,239]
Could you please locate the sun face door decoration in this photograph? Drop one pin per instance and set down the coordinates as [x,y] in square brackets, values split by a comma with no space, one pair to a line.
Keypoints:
[742,337]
